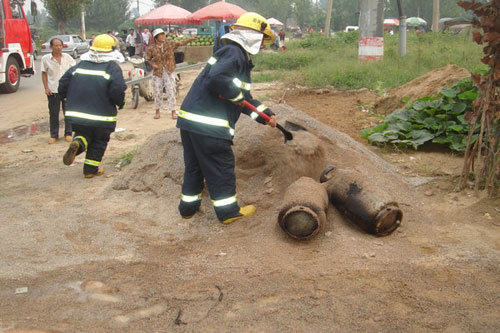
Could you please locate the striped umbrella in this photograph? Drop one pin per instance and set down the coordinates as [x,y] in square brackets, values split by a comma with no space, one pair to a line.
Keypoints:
[415,21]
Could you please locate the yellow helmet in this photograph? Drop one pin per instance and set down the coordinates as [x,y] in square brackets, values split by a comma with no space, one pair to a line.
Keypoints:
[103,43]
[255,22]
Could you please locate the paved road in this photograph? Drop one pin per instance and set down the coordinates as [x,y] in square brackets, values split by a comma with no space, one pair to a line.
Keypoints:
[25,106]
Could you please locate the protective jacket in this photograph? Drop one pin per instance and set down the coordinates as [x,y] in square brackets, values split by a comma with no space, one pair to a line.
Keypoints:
[209,108]
[93,90]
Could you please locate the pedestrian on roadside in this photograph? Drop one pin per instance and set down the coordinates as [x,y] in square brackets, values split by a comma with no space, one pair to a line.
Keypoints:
[112,35]
[121,44]
[93,89]
[146,38]
[162,58]
[208,117]
[138,42]
[130,41]
[92,37]
[282,35]
[54,65]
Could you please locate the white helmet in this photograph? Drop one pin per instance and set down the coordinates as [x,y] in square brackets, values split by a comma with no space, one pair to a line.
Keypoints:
[158,31]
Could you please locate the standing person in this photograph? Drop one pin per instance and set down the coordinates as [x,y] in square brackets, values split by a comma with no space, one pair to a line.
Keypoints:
[92,37]
[146,37]
[54,65]
[93,89]
[208,116]
[161,57]
[282,35]
[138,42]
[130,40]
[121,44]
[112,35]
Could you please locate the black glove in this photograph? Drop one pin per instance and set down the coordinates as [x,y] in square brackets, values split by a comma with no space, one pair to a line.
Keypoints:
[267,112]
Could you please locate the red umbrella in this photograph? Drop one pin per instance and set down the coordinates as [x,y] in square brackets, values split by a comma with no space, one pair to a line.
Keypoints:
[166,14]
[219,11]
[391,21]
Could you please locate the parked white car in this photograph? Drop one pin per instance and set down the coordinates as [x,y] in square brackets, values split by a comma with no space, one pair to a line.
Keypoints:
[73,45]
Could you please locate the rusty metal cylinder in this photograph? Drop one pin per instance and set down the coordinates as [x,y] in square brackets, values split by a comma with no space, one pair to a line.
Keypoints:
[303,213]
[362,201]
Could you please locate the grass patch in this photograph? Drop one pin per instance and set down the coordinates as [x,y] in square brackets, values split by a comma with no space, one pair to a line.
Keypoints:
[318,61]
[125,159]
[266,76]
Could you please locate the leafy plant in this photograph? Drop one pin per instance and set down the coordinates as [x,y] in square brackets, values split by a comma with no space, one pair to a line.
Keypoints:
[438,120]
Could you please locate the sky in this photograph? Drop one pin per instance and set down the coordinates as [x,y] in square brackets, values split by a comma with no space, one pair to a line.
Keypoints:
[144,5]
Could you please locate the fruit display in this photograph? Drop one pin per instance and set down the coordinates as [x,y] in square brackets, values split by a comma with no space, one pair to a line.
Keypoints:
[202,40]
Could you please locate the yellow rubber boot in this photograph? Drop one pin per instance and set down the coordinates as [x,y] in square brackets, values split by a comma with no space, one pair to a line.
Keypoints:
[99,172]
[244,211]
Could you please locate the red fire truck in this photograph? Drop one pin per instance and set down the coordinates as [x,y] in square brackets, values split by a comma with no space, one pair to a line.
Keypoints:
[16,49]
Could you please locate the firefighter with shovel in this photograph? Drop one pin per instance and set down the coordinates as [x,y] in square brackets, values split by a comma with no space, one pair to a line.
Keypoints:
[208,116]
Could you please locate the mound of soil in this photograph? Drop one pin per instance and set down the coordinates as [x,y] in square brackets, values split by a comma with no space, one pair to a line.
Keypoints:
[346,111]
[429,84]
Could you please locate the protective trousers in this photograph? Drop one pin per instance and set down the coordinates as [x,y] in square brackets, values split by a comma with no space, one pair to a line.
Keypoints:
[93,140]
[211,159]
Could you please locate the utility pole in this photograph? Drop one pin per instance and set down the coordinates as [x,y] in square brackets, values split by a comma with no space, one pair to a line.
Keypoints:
[371,30]
[435,16]
[402,30]
[328,18]
[138,12]
[84,33]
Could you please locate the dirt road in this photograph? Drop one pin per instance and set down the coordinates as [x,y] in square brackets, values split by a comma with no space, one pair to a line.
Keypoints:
[78,256]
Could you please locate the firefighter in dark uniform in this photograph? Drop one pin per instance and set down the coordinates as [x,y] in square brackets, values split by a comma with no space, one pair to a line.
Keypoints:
[208,116]
[93,89]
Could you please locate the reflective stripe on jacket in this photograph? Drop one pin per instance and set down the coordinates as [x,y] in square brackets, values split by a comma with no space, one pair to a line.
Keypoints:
[93,91]
[208,108]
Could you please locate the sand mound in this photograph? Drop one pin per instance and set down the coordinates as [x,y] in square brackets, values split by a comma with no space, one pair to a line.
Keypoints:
[429,84]
[265,166]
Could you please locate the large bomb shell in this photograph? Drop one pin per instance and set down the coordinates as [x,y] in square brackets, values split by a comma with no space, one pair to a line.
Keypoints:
[303,213]
[371,208]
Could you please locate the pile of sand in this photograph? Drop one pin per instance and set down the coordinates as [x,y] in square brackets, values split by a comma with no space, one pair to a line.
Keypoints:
[265,165]
[429,84]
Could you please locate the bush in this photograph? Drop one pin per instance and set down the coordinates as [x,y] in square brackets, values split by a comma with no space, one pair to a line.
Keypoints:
[438,120]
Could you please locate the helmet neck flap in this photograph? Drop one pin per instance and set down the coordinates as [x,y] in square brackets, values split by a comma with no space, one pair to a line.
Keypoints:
[249,40]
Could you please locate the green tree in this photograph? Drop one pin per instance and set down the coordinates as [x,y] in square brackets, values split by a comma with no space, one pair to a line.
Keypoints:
[344,13]
[302,10]
[423,9]
[279,9]
[63,10]
[191,5]
[102,15]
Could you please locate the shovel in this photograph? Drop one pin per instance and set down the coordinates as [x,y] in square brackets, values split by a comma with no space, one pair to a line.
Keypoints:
[287,134]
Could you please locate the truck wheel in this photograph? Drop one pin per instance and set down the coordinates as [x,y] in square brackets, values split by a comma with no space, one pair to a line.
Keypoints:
[12,77]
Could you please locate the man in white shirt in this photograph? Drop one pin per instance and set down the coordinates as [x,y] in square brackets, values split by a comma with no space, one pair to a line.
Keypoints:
[131,42]
[145,39]
[54,65]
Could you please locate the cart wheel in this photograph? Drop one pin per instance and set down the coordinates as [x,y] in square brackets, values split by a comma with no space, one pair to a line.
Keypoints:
[135,97]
